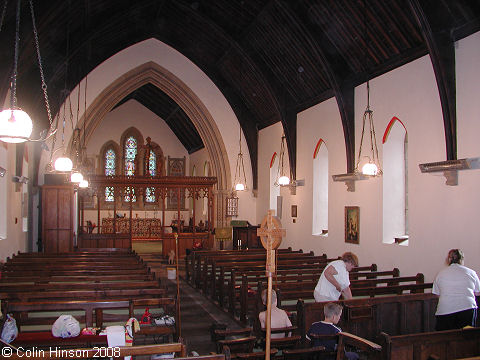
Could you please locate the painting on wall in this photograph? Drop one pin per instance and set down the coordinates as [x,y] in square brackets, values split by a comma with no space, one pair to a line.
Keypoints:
[294,211]
[352,224]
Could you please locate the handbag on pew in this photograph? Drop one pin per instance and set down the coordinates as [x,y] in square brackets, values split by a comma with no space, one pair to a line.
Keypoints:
[10,330]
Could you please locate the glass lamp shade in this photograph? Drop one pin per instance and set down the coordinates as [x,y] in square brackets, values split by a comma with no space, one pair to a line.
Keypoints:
[283,180]
[15,126]
[76,177]
[63,164]
[83,184]
[370,169]
[240,187]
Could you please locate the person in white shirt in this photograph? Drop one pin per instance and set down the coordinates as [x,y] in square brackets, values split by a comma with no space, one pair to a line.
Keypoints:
[457,286]
[279,317]
[335,280]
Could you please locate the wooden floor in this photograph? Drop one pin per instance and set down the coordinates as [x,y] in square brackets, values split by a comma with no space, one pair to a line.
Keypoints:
[197,312]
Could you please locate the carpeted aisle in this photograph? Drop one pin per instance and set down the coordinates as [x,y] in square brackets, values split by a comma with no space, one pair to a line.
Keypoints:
[197,313]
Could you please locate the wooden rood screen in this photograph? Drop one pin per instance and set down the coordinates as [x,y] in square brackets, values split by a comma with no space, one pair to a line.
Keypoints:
[133,191]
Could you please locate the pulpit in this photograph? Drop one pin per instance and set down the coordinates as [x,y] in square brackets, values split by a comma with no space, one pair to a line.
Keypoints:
[245,235]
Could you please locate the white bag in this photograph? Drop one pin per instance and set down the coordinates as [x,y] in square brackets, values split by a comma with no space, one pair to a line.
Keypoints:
[66,326]
[10,330]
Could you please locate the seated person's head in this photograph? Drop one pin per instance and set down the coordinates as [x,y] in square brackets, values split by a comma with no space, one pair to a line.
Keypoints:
[350,260]
[455,256]
[333,312]
[264,297]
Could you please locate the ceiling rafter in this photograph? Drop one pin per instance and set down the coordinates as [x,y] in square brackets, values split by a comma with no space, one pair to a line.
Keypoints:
[442,54]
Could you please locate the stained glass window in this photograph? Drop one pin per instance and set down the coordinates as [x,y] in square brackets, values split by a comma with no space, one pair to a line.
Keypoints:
[109,171]
[152,168]
[128,191]
[109,162]
[152,164]
[150,194]
[130,153]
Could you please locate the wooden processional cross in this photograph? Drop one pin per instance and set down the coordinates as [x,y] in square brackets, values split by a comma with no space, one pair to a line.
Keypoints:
[271,234]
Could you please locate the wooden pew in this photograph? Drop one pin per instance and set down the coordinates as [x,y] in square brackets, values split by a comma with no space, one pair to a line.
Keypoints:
[246,297]
[194,259]
[243,279]
[81,285]
[84,294]
[200,257]
[115,352]
[93,313]
[449,344]
[372,350]
[293,295]
[50,279]
[221,269]
[211,265]
[395,315]
[92,272]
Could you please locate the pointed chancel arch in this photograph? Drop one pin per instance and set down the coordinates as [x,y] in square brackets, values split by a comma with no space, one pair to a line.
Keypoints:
[395,183]
[190,103]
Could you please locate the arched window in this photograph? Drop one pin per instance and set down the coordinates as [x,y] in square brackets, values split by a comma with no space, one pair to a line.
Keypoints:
[395,183]
[110,160]
[152,168]
[274,189]
[130,152]
[320,189]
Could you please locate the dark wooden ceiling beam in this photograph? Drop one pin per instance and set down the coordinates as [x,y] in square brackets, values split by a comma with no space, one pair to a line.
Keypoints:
[337,72]
[441,49]
[244,115]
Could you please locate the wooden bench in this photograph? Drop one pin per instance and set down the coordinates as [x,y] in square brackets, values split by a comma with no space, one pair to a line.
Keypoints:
[84,294]
[372,350]
[448,344]
[221,270]
[247,299]
[92,313]
[242,280]
[395,315]
[199,259]
[115,352]
[212,265]
[50,279]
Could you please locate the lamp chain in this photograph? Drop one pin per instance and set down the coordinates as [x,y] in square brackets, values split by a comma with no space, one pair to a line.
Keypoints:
[13,95]
[361,143]
[3,14]
[39,58]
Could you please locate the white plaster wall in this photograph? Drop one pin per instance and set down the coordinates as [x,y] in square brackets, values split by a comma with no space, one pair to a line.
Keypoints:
[441,217]
[269,140]
[153,50]
[16,239]
[132,113]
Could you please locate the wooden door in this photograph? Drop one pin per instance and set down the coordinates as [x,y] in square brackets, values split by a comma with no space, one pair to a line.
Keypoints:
[57,218]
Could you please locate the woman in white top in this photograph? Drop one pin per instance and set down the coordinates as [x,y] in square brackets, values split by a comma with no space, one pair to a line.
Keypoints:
[335,279]
[457,287]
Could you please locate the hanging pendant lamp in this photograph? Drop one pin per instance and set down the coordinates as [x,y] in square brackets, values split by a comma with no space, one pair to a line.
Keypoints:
[15,124]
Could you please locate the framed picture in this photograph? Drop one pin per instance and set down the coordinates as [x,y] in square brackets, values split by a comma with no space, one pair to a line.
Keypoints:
[352,224]
[294,211]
